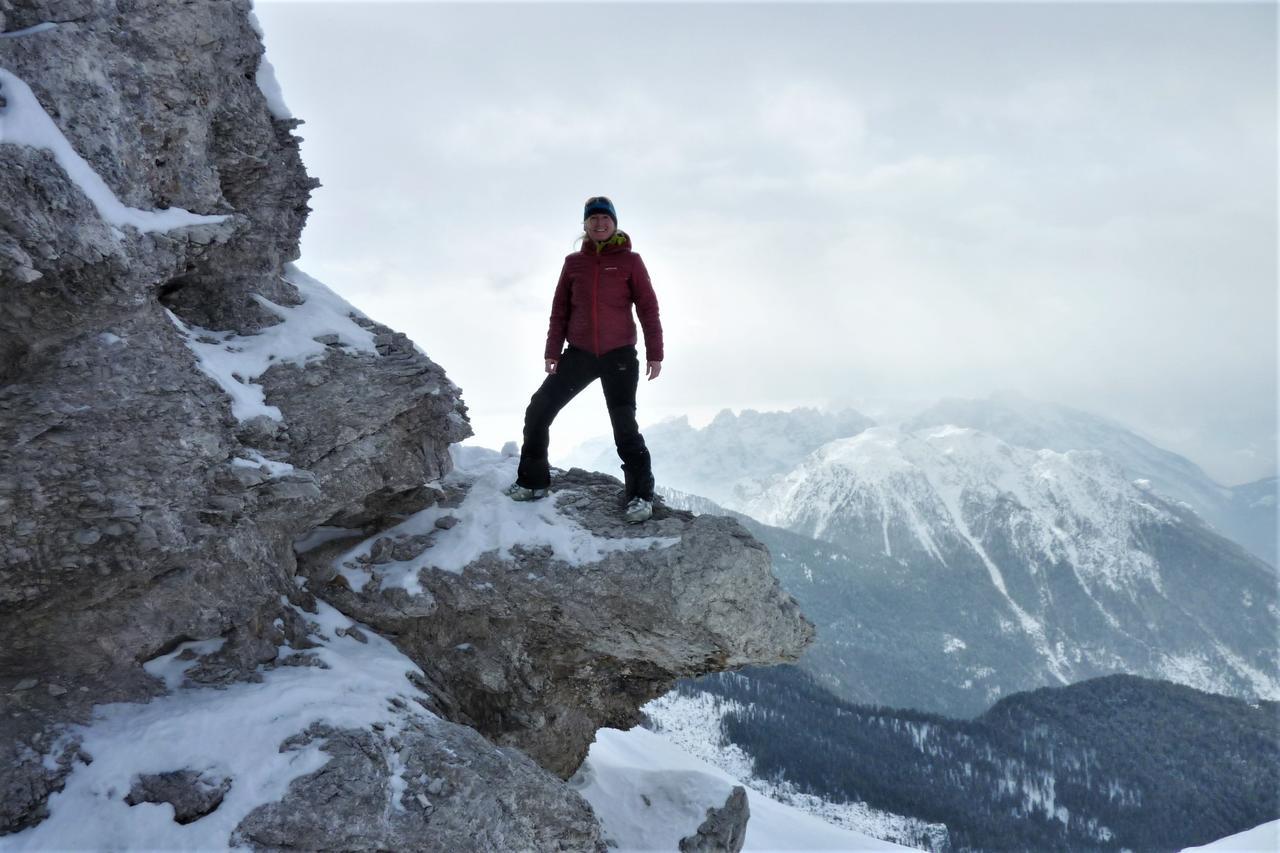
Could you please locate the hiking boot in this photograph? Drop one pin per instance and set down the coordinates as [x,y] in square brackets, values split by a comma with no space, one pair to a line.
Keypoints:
[638,510]
[518,492]
[635,483]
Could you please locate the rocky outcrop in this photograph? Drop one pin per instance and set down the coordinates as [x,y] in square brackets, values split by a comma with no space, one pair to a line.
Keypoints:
[537,651]
[724,830]
[137,510]
[183,412]
[458,794]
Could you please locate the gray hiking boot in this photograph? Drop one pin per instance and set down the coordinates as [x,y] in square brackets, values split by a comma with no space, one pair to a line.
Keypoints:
[518,492]
[638,510]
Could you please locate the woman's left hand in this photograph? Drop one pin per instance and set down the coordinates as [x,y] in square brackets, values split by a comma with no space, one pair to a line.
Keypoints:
[652,369]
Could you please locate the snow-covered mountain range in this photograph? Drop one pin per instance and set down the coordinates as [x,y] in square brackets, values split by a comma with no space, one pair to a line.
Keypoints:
[1234,512]
[730,458]
[947,566]
[1006,568]
[734,459]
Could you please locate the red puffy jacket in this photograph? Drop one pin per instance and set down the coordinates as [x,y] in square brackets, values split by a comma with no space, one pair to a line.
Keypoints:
[592,306]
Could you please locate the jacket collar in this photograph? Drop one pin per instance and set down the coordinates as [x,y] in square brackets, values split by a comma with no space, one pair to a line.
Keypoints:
[619,242]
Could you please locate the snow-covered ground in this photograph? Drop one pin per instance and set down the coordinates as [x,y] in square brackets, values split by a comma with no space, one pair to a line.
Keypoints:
[1261,839]
[692,723]
[230,733]
[648,793]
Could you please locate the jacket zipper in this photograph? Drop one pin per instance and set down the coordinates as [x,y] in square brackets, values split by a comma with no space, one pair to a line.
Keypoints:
[595,313]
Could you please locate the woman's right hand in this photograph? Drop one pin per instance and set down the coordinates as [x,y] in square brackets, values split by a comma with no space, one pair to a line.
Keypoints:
[551,365]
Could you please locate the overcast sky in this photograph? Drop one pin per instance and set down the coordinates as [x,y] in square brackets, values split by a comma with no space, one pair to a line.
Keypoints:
[876,205]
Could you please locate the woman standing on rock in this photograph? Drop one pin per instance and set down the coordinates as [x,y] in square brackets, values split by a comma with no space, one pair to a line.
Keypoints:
[592,311]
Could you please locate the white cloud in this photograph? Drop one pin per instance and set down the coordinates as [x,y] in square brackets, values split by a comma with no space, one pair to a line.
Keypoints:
[814,118]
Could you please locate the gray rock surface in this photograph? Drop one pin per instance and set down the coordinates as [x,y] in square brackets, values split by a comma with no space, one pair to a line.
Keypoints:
[192,794]
[459,793]
[538,654]
[125,526]
[724,830]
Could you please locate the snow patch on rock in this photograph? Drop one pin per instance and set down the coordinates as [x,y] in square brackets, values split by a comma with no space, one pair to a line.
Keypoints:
[23,121]
[235,361]
[233,733]
[487,520]
[266,78]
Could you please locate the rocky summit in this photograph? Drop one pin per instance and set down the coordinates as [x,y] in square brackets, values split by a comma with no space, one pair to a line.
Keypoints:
[251,591]
[569,625]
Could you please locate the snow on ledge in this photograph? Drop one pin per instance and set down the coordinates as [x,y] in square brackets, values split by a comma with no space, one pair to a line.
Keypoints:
[487,521]
[266,77]
[23,121]
[235,361]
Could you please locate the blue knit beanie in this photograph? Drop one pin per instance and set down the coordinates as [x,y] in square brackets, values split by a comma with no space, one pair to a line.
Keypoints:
[600,204]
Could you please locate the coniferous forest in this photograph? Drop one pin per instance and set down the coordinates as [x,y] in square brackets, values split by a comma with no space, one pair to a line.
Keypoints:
[1112,763]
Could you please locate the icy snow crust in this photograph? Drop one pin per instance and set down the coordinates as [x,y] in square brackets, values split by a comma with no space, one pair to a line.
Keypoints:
[232,733]
[234,361]
[23,121]
[487,521]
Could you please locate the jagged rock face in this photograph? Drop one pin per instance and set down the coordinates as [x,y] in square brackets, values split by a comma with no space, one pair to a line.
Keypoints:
[137,511]
[538,652]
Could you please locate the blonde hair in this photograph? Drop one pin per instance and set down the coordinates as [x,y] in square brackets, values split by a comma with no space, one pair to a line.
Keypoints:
[582,238]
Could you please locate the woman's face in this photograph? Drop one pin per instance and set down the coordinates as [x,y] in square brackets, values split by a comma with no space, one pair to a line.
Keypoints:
[599,227]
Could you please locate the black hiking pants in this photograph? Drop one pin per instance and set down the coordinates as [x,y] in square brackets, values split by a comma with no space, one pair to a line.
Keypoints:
[619,373]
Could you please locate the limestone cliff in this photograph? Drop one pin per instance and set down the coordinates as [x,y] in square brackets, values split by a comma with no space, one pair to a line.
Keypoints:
[202,448]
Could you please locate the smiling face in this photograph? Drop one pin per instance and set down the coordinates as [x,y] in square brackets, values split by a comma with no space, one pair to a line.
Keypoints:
[599,227]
